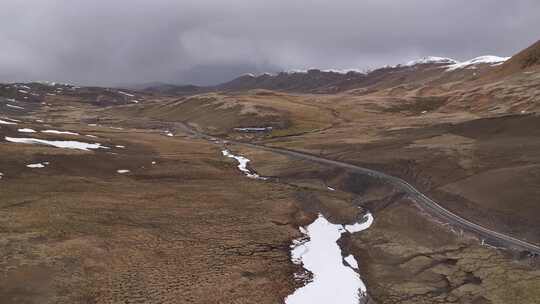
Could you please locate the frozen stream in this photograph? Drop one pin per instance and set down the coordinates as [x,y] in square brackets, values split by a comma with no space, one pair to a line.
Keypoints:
[242,165]
[335,278]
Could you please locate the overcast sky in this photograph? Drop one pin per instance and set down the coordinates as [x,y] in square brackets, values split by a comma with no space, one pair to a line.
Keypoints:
[206,41]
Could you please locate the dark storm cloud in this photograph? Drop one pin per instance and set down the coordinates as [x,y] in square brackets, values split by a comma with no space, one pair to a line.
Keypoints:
[127,41]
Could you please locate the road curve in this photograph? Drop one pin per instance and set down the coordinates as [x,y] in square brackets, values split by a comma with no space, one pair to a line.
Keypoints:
[425,202]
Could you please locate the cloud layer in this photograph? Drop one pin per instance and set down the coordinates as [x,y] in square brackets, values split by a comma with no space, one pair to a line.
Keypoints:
[206,41]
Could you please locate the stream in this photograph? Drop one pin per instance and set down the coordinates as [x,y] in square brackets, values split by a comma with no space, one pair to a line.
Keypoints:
[334,278]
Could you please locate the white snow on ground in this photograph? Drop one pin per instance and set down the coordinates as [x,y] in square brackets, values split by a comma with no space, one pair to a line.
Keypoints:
[1,175]
[91,136]
[23,91]
[26,130]
[59,132]
[169,134]
[14,107]
[126,94]
[120,146]
[365,224]
[333,282]
[38,165]
[431,60]
[492,60]
[330,188]
[153,163]
[65,144]
[122,171]
[351,261]
[242,165]
[3,122]
[135,101]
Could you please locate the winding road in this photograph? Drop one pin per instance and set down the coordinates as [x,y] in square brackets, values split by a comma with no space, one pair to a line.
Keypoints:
[424,202]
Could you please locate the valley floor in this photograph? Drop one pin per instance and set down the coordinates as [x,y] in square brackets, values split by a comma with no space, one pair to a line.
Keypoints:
[152,213]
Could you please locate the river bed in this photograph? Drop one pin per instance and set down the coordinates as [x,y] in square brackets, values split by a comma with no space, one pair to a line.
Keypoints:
[334,278]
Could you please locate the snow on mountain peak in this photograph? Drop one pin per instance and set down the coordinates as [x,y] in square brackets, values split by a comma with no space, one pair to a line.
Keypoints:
[431,60]
[336,71]
[448,63]
[489,59]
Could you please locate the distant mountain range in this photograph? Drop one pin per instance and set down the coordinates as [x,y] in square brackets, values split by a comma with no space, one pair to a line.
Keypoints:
[436,70]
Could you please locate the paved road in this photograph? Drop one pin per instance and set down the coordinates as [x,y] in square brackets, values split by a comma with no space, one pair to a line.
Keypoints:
[425,202]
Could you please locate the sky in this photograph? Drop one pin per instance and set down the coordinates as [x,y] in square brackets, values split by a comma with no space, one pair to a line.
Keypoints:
[113,42]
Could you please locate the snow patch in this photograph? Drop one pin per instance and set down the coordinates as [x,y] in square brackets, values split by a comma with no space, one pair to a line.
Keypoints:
[367,221]
[122,171]
[492,60]
[14,107]
[126,94]
[337,71]
[318,252]
[242,165]
[34,166]
[431,60]
[59,132]
[26,130]
[3,122]
[69,144]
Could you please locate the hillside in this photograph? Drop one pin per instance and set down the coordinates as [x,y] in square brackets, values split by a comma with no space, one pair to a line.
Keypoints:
[528,59]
